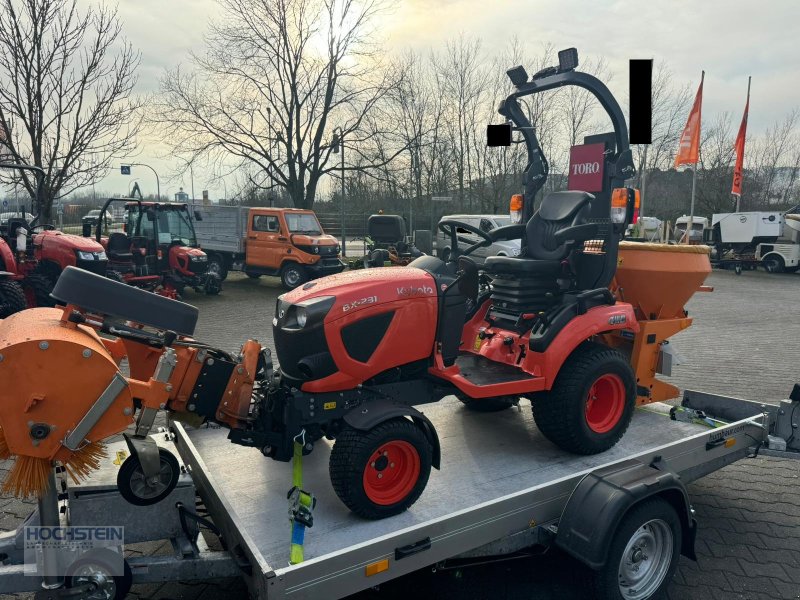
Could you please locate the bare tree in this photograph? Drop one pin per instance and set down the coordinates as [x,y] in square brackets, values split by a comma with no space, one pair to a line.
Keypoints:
[65,94]
[277,77]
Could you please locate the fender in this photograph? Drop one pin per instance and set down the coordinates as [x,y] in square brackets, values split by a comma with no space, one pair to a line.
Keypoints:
[375,412]
[603,497]
[7,258]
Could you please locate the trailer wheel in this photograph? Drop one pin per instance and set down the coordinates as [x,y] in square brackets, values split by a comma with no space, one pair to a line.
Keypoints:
[95,568]
[773,263]
[380,472]
[216,264]
[591,403]
[293,275]
[643,554]
[12,298]
[137,490]
[37,288]
[487,405]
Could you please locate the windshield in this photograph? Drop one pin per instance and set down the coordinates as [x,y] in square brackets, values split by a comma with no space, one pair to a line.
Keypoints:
[174,225]
[303,223]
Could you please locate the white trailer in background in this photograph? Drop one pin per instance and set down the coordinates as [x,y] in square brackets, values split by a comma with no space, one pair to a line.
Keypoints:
[770,239]
[699,225]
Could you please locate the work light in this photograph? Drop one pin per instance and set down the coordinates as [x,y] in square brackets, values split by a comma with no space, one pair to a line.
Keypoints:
[517,75]
[568,60]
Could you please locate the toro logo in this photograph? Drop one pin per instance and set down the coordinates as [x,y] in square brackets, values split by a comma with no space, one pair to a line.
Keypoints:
[586,167]
[405,292]
[347,307]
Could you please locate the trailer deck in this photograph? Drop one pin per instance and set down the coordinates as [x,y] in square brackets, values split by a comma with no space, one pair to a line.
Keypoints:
[500,479]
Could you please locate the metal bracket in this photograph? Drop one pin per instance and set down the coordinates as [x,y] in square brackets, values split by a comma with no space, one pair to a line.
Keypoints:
[146,450]
[76,437]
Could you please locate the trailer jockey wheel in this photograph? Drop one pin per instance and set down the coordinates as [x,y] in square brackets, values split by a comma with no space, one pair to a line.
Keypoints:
[591,403]
[136,489]
[105,574]
[380,472]
[643,554]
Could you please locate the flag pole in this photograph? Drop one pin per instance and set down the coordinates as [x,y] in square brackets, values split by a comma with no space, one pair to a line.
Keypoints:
[690,225]
[739,196]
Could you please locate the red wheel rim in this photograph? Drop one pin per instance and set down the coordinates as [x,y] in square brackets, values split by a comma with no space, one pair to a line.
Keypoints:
[605,403]
[391,472]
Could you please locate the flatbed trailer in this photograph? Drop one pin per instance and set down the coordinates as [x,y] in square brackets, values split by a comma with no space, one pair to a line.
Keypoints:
[502,487]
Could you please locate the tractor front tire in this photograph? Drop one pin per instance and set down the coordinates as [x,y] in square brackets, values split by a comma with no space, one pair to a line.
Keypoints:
[216,264]
[12,298]
[591,402]
[381,472]
[37,288]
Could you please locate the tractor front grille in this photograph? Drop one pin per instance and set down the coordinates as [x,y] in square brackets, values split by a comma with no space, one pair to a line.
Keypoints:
[93,266]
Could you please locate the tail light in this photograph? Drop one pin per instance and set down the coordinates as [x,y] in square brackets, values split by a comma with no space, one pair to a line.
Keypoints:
[636,201]
[125,228]
[515,207]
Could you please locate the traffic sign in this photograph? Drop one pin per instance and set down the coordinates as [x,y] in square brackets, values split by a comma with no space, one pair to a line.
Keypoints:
[125,169]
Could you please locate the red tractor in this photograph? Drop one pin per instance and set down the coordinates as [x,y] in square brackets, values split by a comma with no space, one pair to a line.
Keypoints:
[157,249]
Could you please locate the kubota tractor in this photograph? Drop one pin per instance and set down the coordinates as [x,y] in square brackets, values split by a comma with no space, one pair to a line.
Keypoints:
[158,249]
[577,324]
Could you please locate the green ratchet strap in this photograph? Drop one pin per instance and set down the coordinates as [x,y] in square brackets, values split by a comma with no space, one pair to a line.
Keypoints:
[301,503]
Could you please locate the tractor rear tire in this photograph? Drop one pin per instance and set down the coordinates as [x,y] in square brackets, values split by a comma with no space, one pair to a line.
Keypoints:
[38,286]
[591,402]
[487,405]
[12,298]
[381,472]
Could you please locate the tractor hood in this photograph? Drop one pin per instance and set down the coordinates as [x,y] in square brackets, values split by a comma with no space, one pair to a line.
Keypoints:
[66,240]
[357,290]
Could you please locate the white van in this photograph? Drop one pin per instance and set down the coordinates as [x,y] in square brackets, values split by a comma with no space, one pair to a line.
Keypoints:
[485,223]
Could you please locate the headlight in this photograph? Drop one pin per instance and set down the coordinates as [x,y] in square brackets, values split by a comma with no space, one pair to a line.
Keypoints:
[194,258]
[302,317]
[308,313]
[101,255]
[85,255]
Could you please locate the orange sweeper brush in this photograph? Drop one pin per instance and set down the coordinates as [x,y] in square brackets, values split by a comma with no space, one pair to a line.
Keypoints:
[61,394]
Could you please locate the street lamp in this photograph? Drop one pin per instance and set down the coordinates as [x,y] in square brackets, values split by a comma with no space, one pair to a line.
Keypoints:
[124,168]
[338,148]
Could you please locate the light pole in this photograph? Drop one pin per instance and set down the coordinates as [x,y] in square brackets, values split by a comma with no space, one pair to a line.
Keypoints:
[158,182]
[338,147]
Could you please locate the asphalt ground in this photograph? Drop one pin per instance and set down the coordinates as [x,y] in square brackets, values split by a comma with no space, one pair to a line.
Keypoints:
[745,342]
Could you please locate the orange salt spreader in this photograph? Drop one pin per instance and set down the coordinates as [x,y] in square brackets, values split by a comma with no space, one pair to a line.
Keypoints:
[658,280]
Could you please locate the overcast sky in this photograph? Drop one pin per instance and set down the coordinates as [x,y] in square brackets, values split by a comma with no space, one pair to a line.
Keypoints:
[730,39]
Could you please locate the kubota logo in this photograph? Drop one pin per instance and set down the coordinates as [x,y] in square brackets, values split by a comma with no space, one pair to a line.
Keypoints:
[588,168]
[415,291]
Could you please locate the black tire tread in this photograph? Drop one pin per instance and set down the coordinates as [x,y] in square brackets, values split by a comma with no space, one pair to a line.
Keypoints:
[41,285]
[549,408]
[12,298]
[345,469]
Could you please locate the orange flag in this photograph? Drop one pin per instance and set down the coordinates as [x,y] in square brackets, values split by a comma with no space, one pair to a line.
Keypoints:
[739,148]
[689,147]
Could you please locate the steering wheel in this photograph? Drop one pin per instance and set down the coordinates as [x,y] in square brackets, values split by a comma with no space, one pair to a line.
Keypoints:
[450,226]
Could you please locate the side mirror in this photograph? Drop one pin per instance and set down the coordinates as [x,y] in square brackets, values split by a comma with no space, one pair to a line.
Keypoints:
[198,215]
[468,279]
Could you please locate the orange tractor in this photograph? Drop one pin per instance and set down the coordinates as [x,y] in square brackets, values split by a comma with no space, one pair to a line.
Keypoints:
[578,324]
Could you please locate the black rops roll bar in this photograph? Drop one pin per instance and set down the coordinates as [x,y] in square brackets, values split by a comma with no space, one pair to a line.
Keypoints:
[102,216]
[619,162]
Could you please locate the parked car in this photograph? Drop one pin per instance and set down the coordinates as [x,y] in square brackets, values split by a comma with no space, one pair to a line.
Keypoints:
[93,215]
[4,217]
[485,223]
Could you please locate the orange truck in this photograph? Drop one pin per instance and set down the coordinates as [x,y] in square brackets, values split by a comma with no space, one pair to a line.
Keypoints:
[285,242]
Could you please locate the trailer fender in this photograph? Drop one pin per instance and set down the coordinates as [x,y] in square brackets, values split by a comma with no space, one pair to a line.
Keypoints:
[367,416]
[603,497]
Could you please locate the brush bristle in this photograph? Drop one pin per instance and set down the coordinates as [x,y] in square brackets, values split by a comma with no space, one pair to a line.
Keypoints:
[28,477]
[82,462]
[5,451]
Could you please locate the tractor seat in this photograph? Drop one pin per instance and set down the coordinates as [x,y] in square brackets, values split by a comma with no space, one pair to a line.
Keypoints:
[103,296]
[530,283]
[119,247]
